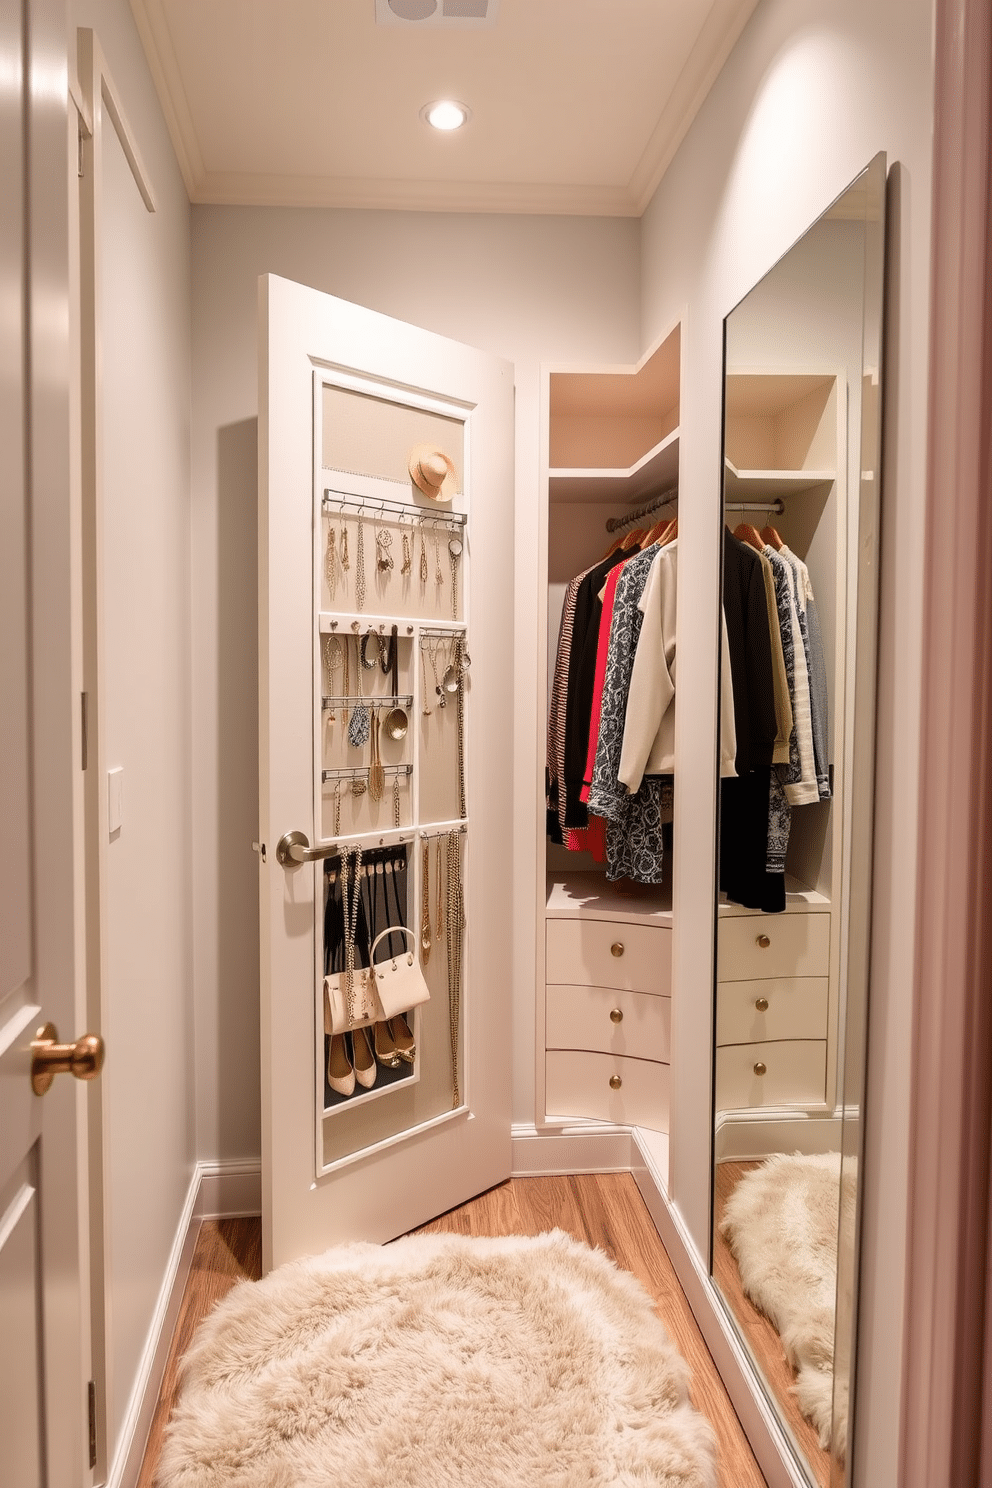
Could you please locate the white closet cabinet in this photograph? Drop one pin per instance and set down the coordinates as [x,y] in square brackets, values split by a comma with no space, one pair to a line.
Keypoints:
[605,1022]
[778,974]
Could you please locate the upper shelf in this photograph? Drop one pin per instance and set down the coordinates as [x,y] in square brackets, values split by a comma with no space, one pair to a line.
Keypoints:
[614,434]
[746,485]
[781,432]
[658,468]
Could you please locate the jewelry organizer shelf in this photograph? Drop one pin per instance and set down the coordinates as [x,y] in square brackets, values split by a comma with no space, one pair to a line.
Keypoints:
[391,686]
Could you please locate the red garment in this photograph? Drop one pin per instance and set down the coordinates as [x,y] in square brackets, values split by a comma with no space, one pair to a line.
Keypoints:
[591,839]
[599,678]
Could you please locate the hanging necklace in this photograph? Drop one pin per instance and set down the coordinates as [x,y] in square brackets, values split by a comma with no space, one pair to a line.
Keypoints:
[336,804]
[432,656]
[358,727]
[330,562]
[396,797]
[460,743]
[332,661]
[438,575]
[383,543]
[425,902]
[360,562]
[423,553]
[407,554]
[426,708]
[454,553]
[440,892]
[455,934]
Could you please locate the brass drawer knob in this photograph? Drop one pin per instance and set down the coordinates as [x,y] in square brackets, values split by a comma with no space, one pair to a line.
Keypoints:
[616,1015]
[764,942]
[761,1003]
[615,1082]
[760,1069]
[616,949]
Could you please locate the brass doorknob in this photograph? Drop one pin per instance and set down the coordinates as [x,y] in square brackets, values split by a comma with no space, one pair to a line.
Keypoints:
[616,1015]
[49,1058]
[615,1082]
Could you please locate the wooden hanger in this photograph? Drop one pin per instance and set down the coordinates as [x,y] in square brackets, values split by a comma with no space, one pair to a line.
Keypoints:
[632,540]
[745,533]
[659,532]
[772,538]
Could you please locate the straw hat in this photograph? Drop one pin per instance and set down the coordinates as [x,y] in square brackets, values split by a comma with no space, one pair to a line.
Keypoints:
[432,471]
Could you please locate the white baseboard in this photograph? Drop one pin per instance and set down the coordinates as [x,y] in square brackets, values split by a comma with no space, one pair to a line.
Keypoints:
[216,1191]
[743,1136]
[770,1444]
[570,1149]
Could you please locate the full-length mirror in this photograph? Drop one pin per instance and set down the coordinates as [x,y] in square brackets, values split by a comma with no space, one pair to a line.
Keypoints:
[801,481]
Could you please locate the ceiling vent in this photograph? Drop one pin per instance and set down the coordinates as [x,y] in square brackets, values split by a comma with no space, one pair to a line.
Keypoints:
[436,12]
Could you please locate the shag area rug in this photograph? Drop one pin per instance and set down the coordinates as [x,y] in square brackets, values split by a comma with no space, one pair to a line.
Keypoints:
[782,1223]
[436,1362]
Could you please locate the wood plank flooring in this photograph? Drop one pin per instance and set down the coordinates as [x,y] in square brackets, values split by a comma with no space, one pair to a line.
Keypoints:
[758,1333]
[605,1210]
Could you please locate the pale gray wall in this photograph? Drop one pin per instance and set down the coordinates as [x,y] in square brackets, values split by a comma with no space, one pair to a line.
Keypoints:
[147,1084]
[813,89]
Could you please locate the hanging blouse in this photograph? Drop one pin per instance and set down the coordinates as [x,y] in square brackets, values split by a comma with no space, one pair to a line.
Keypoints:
[800,778]
[817,672]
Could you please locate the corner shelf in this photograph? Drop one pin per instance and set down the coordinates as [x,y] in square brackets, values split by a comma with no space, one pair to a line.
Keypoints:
[745,485]
[652,472]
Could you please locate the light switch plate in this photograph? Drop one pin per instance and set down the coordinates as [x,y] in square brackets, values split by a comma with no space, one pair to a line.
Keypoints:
[468,13]
[115,799]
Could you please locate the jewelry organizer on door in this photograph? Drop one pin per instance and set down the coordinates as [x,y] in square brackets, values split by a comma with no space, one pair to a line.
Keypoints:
[391,690]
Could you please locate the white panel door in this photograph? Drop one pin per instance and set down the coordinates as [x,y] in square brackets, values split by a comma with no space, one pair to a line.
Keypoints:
[42,1380]
[344,394]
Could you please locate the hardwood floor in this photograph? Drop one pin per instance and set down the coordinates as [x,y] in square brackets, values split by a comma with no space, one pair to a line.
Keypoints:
[605,1210]
[760,1336]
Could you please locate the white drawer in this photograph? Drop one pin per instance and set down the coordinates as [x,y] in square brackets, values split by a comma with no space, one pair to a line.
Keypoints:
[774,1008]
[798,945]
[580,1018]
[605,953]
[578,1084]
[795,1074]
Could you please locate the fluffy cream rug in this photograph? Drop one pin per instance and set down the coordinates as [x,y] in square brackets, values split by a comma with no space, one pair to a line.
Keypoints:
[781,1222]
[437,1362]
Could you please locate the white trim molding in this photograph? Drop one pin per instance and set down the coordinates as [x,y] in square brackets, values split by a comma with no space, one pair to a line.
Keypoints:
[218,1190]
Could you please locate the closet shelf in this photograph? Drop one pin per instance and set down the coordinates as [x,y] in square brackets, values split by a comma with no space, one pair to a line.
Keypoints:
[745,485]
[798,900]
[588,896]
[659,467]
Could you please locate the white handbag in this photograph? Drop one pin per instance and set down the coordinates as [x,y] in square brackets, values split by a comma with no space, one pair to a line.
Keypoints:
[398,982]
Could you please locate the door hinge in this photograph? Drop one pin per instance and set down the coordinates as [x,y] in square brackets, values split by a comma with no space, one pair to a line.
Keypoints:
[84,704]
[91,1392]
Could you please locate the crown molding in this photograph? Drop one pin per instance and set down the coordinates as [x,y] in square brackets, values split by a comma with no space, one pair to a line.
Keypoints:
[156,40]
[413,196]
[724,24]
[712,47]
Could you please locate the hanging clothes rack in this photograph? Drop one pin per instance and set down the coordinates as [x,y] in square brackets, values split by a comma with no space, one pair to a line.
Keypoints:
[668,497]
[776,506]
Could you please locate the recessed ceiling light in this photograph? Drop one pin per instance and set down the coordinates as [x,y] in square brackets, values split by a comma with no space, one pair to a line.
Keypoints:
[446,114]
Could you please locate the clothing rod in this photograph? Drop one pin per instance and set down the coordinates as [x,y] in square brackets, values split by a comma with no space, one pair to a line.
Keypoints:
[337,500]
[360,770]
[777,506]
[668,497]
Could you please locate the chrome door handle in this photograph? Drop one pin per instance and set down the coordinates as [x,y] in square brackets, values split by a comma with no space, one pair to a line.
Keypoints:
[294,847]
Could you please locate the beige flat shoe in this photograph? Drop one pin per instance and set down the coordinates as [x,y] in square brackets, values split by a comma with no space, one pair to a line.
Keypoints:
[340,1071]
[363,1058]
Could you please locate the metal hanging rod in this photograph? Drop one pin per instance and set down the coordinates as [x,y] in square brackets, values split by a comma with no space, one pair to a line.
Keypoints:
[442,831]
[369,505]
[361,770]
[668,497]
[777,506]
[428,631]
[376,703]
